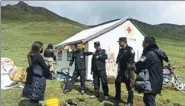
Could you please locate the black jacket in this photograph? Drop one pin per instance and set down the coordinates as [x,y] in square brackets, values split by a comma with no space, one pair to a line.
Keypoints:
[152,59]
[36,78]
[125,59]
[49,53]
[79,58]
[98,60]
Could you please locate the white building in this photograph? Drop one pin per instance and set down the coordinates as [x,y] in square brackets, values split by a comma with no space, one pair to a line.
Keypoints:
[107,34]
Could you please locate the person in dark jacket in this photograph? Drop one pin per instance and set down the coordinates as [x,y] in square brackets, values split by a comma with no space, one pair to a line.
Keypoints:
[125,61]
[49,52]
[79,58]
[152,60]
[99,70]
[37,73]
[50,58]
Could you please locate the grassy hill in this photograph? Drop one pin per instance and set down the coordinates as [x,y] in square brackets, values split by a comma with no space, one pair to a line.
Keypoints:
[23,24]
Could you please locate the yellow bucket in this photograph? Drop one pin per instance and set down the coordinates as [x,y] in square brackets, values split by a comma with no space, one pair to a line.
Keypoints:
[52,102]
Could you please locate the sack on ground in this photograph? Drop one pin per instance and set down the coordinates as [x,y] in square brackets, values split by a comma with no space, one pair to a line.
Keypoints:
[18,74]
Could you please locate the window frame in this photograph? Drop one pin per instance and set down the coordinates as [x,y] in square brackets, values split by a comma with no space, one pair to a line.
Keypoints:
[59,55]
[69,55]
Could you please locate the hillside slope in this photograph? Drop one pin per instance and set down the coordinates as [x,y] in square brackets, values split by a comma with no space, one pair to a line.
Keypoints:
[43,25]
[23,12]
[23,24]
[170,31]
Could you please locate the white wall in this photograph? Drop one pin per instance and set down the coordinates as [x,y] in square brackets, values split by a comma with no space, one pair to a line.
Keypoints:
[63,63]
[109,42]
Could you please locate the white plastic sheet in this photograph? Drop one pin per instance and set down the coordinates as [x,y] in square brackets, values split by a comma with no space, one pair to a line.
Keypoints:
[6,65]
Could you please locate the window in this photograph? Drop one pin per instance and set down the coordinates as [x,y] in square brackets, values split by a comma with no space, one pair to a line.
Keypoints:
[69,56]
[60,55]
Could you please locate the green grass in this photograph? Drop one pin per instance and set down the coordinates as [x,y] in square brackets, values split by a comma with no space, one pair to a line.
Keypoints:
[18,36]
[55,91]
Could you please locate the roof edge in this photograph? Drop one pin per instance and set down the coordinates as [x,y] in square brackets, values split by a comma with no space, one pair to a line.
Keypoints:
[132,21]
[103,23]
[103,31]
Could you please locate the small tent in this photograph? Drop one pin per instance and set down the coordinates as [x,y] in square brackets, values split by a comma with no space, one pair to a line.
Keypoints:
[107,34]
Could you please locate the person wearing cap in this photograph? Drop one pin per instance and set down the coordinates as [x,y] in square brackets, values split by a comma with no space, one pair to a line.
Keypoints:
[126,67]
[152,61]
[79,58]
[99,70]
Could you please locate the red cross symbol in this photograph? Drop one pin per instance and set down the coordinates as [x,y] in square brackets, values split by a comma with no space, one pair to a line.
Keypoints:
[129,30]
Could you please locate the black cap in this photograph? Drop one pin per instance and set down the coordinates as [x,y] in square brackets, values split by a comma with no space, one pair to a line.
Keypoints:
[97,43]
[122,39]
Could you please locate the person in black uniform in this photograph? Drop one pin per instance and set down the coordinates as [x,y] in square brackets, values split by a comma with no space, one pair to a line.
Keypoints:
[152,60]
[125,61]
[99,70]
[80,67]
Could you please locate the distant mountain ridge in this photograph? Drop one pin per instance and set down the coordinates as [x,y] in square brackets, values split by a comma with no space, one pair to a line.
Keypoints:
[23,12]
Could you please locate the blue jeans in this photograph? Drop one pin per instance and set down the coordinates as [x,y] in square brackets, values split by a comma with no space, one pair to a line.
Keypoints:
[149,99]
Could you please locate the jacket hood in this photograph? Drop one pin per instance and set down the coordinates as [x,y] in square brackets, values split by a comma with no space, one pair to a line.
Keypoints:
[161,54]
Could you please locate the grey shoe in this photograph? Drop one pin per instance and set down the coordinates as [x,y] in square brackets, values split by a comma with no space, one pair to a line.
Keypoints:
[82,92]
[65,91]
[106,97]
[129,104]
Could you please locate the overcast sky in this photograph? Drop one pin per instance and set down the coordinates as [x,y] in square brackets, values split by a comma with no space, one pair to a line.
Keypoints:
[95,12]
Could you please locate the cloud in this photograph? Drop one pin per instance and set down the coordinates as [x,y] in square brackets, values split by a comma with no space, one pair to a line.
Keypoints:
[175,13]
[94,12]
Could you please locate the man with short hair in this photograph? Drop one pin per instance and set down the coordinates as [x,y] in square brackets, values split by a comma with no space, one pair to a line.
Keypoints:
[125,61]
[99,70]
[79,58]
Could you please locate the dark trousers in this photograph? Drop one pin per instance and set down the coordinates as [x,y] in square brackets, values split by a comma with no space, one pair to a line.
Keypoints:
[149,99]
[119,80]
[75,76]
[97,75]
